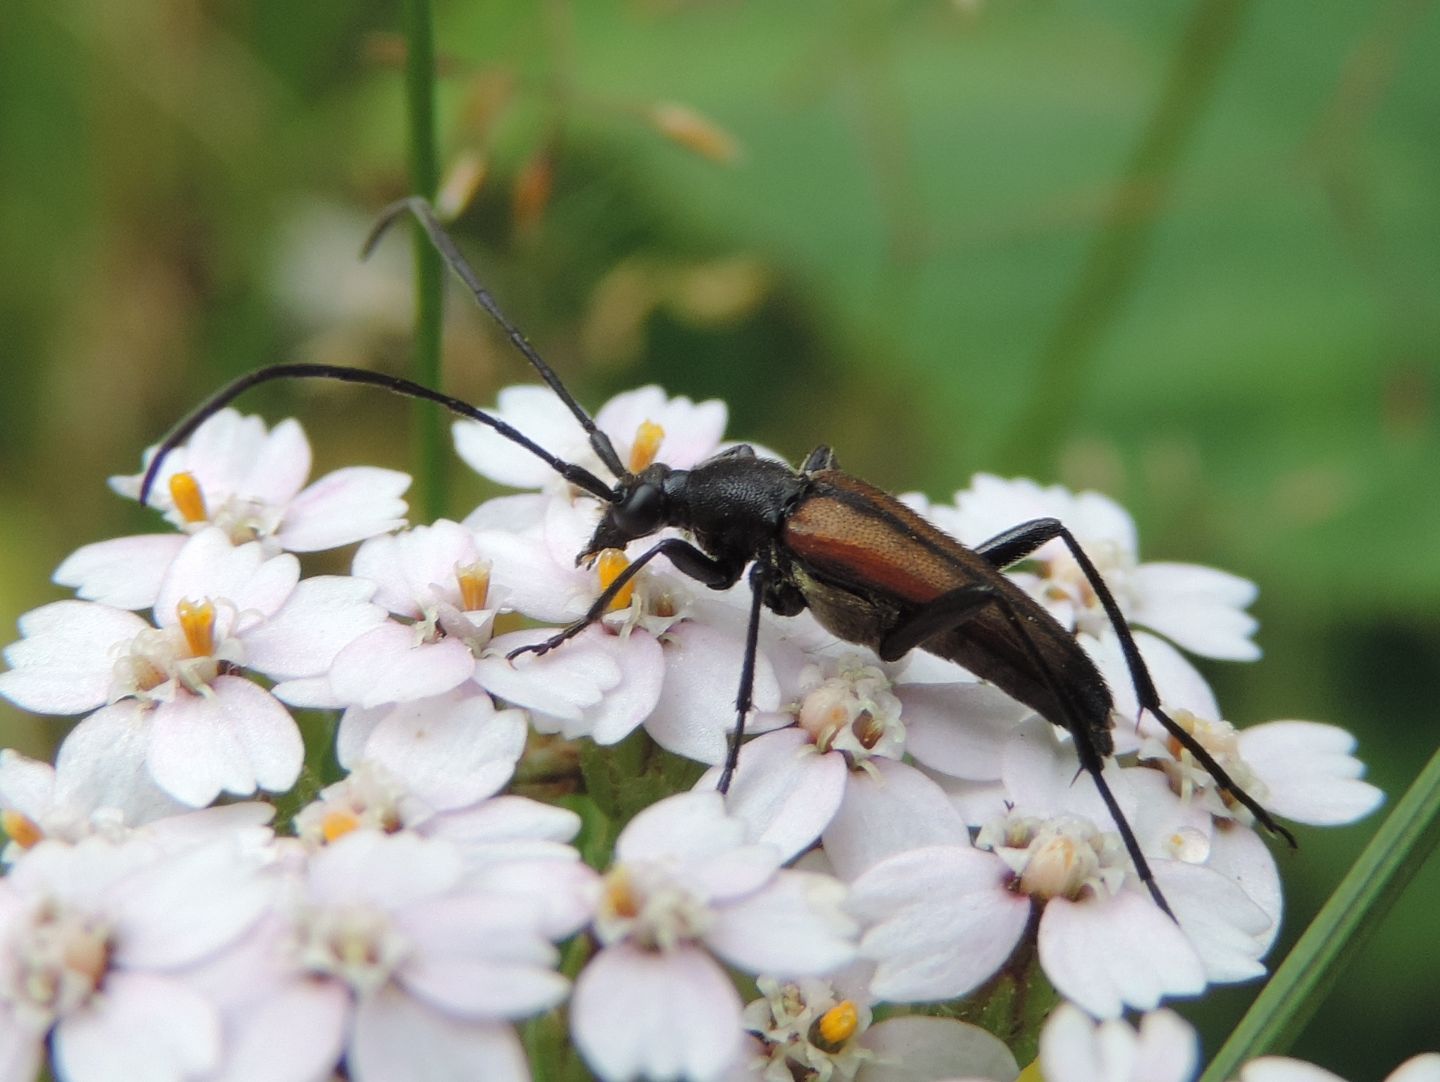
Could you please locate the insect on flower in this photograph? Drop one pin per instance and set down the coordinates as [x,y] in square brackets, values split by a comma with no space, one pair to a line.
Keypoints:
[869,568]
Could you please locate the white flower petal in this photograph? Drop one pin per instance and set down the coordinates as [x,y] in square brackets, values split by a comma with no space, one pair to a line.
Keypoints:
[209,566]
[124,572]
[669,1015]
[918,1049]
[1309,772]
[450,751]
[784,790]
[1117,951]
[793,927]
[889,811]
[63,664]
[144,1026]
[292,1035]
[941,921]
[1226,928]
[959,729]
[1199,608]
[234,740]
[322,615]
[387,665]
[347,505]
[396,1037]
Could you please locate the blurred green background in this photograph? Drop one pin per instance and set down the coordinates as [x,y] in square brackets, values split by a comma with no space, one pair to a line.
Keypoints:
[1188,254]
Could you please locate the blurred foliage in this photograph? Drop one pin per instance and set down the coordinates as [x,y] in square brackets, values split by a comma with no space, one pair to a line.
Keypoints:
[1184,253]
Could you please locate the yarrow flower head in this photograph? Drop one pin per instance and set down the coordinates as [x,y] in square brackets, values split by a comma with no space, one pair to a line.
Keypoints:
[893,832]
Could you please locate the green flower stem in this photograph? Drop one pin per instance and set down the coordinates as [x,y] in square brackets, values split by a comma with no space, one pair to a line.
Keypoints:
[431,458]
[1340,930]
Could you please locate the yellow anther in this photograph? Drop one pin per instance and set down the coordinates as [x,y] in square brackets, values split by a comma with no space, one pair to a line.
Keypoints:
[197,620]
[336,824]
[836,1026]
[20,829]
[612,562]
[189,500]
[618,898]
[474,580]
[648,438]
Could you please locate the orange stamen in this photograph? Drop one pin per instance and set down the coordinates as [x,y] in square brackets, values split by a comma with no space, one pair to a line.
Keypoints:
[647,445]
[338,823]
[474,580]
[21,829]
[612,563]
[197,620]
[189,500]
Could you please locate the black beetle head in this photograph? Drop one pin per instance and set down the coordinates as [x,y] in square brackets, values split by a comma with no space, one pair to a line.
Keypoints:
[643,505]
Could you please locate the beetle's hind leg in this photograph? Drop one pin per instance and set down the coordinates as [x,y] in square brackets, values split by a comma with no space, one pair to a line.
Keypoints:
[1020,541]
[951,609]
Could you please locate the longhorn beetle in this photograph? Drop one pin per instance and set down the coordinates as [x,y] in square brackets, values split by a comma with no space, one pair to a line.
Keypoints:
[871,570]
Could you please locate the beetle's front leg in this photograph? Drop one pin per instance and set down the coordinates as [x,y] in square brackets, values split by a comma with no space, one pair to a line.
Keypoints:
[759,575]
[687,559]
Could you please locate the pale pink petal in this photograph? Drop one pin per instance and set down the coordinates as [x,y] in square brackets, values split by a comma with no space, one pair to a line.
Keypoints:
[558,888]
[538,414]
[918,1049]
[684,827]
[187,906]
[959,729]
[784,790]
[346,505]
[396,1037]
[292,1035]
[322,615]
[63,665]
[26,785]
[101,764]
[561,684]
[144,1026]
[235,740]
[523,572]
[407,567]
[696,708]
[389,870]
[1117,951]
[663,1015]
[275,475]
[793,927]
[124,572]
[484,989]
[209,566]
[1042,773]
[941,921]
[387,665]
[20,1050]
[1309,772]
[450,751]
[894,809]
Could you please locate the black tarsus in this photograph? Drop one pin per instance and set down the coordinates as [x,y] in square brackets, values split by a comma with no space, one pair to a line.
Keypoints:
[576,475]
[460,267]
[1019,542]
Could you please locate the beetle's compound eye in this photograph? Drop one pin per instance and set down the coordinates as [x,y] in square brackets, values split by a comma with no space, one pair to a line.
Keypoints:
[642,511]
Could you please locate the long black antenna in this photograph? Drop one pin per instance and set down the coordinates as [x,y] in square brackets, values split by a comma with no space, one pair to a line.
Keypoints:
[576,475]
[457,263]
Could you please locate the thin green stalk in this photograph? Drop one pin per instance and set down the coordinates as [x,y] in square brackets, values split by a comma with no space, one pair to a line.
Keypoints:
[1112,265]
[431,457]
[1340,931]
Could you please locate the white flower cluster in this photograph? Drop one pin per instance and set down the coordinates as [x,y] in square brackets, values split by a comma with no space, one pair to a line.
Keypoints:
[411,912]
